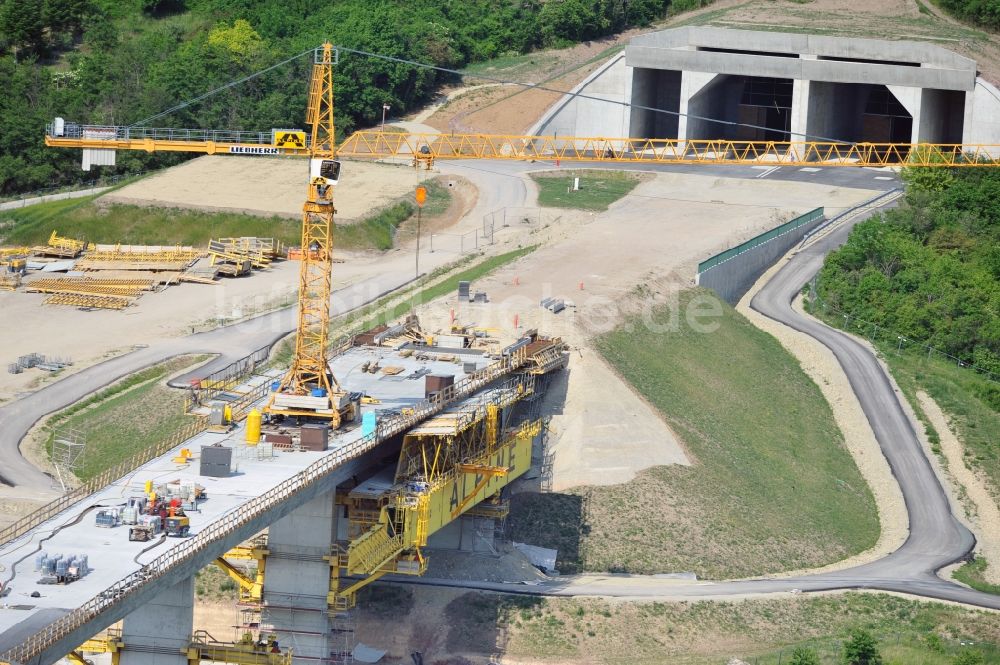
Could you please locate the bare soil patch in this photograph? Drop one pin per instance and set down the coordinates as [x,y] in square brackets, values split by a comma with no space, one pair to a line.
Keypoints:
[266,186]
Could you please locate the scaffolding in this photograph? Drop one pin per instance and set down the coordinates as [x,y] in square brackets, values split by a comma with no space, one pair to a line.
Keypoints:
[202,648]
[244,254]
[124,288]
[342,640]
[145,253]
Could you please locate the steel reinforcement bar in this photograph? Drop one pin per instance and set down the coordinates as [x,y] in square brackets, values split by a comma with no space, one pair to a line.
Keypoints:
[163,564]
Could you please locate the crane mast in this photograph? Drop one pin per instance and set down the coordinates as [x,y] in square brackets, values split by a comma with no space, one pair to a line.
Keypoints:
[309,388]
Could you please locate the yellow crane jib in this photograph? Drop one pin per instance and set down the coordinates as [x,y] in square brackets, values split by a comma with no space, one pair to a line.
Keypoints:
[424,148]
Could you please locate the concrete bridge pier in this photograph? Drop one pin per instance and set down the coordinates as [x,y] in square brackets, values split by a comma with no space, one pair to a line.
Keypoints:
[295,590]
[158,633]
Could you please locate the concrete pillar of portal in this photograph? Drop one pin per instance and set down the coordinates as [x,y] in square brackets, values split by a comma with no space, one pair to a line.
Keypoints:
[159,632]
[691,85]
[297,580]
[911,99]
[800,111]
[800,107]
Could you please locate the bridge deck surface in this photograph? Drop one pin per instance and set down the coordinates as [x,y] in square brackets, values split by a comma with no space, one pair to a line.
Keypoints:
[112,556]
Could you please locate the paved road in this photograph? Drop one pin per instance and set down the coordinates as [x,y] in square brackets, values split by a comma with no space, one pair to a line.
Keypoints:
[936,537]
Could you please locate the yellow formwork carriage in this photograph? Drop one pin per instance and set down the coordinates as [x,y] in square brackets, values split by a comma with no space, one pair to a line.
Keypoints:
[470,484]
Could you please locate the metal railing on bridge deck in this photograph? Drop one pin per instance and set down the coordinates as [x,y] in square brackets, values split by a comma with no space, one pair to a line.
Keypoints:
[120,470]
[162,565]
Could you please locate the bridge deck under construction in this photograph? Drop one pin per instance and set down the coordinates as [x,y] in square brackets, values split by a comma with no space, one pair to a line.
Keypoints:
[397,396]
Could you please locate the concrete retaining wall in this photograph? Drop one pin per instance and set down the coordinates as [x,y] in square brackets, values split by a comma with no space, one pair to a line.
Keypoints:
[732,278]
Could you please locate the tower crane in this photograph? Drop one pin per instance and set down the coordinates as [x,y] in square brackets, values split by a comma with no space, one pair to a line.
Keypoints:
[309,388]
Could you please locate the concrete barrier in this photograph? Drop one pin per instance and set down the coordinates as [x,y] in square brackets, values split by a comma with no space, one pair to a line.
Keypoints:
[731,273]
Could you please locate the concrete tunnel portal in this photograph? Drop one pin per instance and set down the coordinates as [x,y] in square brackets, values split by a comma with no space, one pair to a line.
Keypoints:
[701,83]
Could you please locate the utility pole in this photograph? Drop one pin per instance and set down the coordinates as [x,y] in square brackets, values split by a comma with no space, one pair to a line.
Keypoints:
[385,109]
[421,196]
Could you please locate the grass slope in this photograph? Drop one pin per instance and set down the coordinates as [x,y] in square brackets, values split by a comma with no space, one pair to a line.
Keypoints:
[772,487]
[598,189]
[762,632]
[138,225]
[125,417]
[456,626]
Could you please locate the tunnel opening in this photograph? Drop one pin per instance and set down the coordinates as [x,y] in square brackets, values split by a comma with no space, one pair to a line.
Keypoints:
[858,113]
[885,120]
[741,108]
[656,101]
[766,103]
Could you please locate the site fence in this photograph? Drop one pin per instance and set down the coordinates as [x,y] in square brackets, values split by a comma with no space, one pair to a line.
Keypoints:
[757,241]
[459,243]
[516,217]
[162,566]
[876,333]
[225,379]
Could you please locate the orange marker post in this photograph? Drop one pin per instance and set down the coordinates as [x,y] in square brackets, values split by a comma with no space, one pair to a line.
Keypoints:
[421,196]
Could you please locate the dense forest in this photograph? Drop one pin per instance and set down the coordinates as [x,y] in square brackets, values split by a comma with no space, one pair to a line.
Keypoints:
[981,12]
[121,61]
[929,270]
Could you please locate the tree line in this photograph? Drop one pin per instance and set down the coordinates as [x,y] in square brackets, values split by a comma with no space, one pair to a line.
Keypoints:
[930,269]
[119,61]
[981,12]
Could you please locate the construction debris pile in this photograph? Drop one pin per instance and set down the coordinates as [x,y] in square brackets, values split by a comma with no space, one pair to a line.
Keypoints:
[115,276]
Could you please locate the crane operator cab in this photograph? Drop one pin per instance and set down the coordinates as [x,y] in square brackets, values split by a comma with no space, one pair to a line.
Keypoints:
[324,171]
